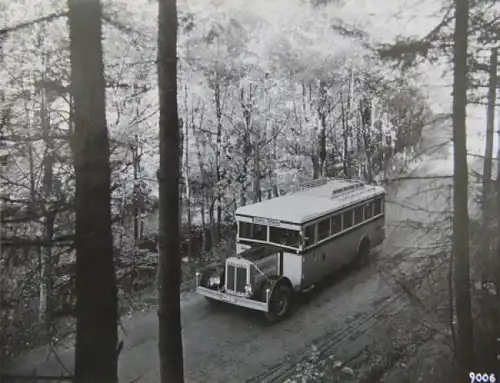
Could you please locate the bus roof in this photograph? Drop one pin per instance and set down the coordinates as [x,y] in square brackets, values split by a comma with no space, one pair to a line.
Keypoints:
[307,205]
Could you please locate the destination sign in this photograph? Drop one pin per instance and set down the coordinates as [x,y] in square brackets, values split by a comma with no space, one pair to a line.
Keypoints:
[266,221]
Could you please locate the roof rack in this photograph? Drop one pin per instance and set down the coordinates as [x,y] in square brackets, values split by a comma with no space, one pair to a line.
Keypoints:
[355,183]
[309,185]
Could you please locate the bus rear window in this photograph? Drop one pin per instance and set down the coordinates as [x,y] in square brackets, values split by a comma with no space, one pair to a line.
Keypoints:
[253,231]
[285,237]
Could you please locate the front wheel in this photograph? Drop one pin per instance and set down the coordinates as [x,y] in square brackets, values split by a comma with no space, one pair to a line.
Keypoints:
[280,303]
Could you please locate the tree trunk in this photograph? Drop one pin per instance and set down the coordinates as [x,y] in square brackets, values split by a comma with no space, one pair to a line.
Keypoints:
[487,165]
[202,182]
[256,173]
[345,136]
[496,261]
[46,251]
[203,221]
[243,180]
[96,292]
[465,335]
[213,225]
[322,132]
[368,156]
[274,176]
[135,203]
[186,180]
[169,312]
[366,121]
[218,112]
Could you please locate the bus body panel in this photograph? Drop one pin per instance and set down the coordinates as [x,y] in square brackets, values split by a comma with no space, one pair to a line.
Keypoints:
[326,257]
[292,269]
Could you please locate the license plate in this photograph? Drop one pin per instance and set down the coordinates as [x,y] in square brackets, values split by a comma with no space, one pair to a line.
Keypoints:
[227,298]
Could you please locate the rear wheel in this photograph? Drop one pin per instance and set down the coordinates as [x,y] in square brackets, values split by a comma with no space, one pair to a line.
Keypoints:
[280,302]
[363,256]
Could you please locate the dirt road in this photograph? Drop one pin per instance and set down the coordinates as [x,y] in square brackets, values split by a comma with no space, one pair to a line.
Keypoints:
[228,344]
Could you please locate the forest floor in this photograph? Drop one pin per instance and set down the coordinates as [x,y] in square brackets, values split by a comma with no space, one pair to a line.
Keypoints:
[356,326]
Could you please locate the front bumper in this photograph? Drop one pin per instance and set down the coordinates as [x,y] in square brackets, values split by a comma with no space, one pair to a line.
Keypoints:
[233,299]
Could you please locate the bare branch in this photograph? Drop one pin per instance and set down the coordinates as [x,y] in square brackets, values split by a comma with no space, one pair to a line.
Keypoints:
[51,17]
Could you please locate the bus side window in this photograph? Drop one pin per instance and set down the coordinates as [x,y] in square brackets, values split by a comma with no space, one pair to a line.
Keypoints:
[358,215]
[368,210]
[347,219]
[323,229]
[378,206]
[309,235]
[337,223]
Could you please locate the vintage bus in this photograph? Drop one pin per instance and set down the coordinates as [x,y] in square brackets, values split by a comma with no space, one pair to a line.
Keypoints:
[289,243]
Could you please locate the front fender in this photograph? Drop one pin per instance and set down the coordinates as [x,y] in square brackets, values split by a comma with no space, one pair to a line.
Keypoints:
[271,284]
[204,275]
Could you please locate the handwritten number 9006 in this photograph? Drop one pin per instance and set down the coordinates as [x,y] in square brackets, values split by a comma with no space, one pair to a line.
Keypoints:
[476,378]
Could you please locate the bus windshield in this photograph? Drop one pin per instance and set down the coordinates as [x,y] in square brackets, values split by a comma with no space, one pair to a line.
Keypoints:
[253,231]
[277,235]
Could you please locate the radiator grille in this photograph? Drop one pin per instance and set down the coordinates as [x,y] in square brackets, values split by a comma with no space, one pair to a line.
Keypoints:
[236,278]
[230,277]
[241,279]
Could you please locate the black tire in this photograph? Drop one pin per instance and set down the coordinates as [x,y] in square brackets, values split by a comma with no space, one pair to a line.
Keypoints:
[280,303]
[363,256]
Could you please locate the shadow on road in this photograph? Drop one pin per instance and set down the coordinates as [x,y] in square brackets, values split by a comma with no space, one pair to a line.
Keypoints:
[302,301]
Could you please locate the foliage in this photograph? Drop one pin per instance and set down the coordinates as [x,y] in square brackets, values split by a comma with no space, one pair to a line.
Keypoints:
[292,100]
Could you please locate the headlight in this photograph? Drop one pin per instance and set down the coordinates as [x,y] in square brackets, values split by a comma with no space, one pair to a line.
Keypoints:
[248,289]
[214,281]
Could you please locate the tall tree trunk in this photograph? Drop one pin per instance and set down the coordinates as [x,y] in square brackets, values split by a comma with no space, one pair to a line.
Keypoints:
[169,312]
[322,132]
[243,178]
[345,136]
[186,179]
[96,292]
[135,203]
[202,182]
[218,113]
[213,225]
[496,262]
[488,154]
[367,127]
[256,173]
[46,253]
[465,335]
[203,221]
[274,176]
[368,156]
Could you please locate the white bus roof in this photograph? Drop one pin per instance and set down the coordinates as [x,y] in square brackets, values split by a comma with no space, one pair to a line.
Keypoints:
[307,205]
